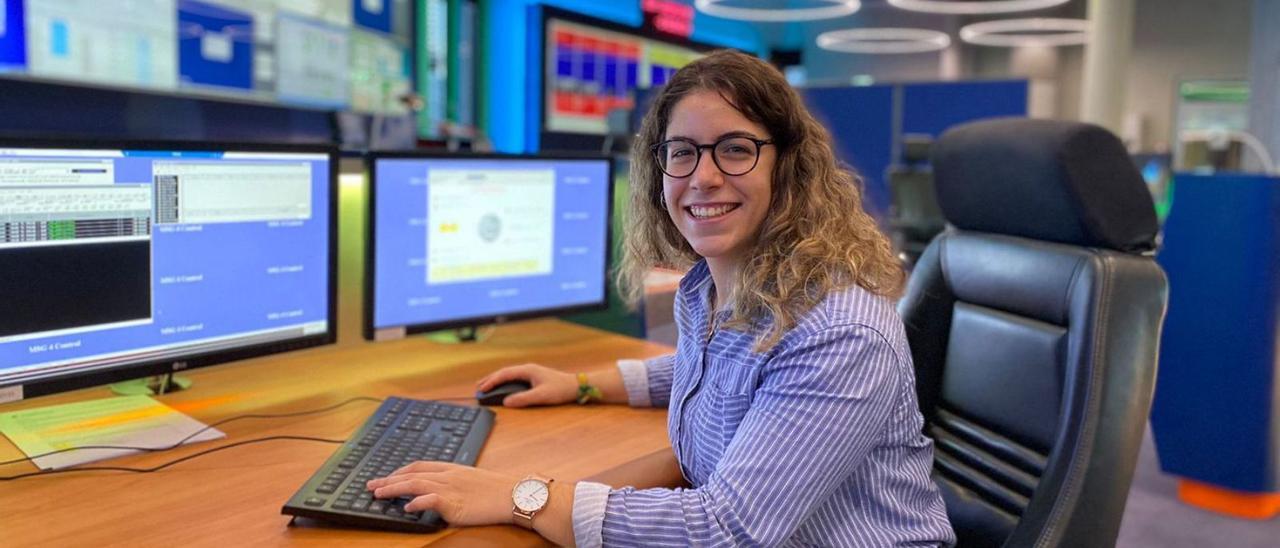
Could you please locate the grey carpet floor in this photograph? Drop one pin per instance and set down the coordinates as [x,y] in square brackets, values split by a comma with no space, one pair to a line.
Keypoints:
[1153,516]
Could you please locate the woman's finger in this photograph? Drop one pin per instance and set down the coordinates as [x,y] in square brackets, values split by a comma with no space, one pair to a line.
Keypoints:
[429,467]
[413,487]
[426,502]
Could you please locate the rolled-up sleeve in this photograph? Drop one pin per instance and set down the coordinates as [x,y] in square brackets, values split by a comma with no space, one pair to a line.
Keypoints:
[648,382]
[828,396]
[589,499]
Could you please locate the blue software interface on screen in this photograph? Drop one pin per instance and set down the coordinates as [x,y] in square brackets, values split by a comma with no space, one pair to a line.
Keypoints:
[470,238]
[116,257]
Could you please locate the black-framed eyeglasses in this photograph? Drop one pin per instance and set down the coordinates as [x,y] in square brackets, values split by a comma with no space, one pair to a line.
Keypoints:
[735,155]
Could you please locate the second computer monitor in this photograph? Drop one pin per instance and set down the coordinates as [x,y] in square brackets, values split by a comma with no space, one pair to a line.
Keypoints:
[123,260]
[463,240]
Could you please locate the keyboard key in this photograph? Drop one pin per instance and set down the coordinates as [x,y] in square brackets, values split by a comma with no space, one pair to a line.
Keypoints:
[315,501]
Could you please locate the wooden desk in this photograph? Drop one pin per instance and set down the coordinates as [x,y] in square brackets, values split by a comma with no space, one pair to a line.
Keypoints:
[233,498]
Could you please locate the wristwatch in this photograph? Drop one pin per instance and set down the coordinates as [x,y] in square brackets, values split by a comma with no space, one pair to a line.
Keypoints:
[529,497]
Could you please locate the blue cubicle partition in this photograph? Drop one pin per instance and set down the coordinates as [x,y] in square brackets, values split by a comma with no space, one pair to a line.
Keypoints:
[1215,416]
[932,108]
[866,121]
[860,120]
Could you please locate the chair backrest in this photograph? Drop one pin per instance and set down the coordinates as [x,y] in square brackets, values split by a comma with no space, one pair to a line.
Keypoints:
[1034,324]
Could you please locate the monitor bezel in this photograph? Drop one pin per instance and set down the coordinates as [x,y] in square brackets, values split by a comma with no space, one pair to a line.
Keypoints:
[96,377]
[371,239]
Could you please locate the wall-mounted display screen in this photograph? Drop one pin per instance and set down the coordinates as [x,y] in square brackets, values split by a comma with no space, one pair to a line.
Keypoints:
[592,70]
[325,54]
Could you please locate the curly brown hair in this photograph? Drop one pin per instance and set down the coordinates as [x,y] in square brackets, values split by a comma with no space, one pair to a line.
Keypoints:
[815,238]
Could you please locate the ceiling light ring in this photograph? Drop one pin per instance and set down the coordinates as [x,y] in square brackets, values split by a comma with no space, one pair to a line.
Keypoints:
[877,40]
[970,7]
[1066,32]
[837,8]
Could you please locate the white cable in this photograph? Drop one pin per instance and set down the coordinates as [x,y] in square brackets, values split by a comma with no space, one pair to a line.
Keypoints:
[1253,143]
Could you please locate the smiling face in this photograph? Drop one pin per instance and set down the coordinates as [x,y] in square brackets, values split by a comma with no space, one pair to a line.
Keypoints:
[718,214]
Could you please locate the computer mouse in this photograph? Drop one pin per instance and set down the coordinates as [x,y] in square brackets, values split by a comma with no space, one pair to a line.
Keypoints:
[495,395]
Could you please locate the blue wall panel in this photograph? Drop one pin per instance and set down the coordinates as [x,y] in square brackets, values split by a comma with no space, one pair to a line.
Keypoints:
[934,107]
[860,120]
[1214,418]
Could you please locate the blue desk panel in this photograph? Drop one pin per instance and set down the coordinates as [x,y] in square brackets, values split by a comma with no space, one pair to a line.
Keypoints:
[1214,414]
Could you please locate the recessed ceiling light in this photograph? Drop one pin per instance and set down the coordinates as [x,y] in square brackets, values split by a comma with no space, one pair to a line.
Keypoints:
[835,8]
[972,7]
[884,40]
[1027,32]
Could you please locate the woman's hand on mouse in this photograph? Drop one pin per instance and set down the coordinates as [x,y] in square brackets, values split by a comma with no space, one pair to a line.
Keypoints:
[462,495]
[549,387]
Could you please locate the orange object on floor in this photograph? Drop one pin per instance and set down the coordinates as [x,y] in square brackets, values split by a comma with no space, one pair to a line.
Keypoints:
[1238,504]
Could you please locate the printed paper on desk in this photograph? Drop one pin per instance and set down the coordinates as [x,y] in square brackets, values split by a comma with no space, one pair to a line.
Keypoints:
[135,421]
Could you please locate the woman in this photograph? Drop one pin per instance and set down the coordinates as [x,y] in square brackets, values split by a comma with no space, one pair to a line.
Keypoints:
[791,395]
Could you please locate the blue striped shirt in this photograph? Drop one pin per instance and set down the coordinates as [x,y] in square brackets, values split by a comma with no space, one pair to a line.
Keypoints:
[815,442]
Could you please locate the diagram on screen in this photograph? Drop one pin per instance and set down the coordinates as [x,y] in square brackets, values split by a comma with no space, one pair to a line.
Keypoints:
[487,224]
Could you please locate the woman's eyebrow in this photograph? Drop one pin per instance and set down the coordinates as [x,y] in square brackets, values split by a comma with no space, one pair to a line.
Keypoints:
[734,133]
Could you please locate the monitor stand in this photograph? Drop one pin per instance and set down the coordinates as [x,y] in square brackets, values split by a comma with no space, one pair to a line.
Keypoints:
[152,386]
[467,334]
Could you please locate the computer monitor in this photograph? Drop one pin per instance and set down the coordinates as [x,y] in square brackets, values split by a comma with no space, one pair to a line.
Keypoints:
[465,240]
[123,260]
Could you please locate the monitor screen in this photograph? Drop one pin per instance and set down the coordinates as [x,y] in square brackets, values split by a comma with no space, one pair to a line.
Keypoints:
[124,260]
[591,70]
[316,54]
[464,240]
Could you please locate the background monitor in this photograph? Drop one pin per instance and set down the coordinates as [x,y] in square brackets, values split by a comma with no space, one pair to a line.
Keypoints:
[462,240]
[317,54]
[124,260]
[591,67]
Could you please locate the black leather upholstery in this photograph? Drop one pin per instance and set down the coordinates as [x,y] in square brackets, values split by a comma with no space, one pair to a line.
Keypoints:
[1035,340]
[1044,179]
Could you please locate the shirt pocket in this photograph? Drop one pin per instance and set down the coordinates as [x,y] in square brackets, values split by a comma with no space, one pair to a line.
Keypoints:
[733,389]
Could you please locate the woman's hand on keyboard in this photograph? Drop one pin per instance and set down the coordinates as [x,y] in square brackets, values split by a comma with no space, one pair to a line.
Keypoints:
[462,495]
[549,387]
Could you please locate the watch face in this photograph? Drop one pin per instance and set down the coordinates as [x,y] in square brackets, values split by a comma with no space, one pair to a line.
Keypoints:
[530,495]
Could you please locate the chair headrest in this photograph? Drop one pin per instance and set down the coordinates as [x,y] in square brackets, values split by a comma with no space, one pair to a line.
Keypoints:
[1048,180]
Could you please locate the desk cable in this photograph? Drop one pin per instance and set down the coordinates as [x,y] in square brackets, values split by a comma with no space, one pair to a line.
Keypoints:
[192,435]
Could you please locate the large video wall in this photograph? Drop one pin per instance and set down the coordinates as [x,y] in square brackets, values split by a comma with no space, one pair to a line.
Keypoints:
[325,54]
[591,70]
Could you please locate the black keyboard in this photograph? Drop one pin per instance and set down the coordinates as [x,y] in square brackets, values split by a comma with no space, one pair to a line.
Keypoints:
[401,431]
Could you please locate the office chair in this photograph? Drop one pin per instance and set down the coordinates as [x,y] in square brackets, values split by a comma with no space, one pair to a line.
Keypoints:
[1034,323]
[914,216]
